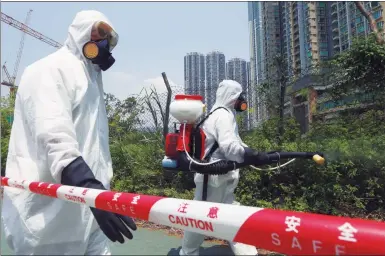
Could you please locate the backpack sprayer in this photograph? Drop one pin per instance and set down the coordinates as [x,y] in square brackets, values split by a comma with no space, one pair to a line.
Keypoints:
[185,148]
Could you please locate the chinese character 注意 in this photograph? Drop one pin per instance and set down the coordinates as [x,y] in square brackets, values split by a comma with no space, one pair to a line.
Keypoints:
[213,213]
[182,208]
[292,222]
[347,232]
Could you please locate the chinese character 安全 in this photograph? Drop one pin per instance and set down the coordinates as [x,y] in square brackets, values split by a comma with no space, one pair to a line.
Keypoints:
[132,209]
[347,232]
[292,222]
[135,199]
[116,196]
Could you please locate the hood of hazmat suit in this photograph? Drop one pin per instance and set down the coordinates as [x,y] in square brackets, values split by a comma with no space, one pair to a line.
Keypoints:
[221,126]
[59,115]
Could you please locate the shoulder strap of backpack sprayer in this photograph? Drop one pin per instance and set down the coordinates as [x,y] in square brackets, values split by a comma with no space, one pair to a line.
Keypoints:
[209,154]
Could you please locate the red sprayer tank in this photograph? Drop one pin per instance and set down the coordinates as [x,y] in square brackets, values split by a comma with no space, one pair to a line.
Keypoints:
[186,109]
[171,145]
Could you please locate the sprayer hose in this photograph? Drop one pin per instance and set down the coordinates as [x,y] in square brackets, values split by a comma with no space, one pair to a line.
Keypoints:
[222,167]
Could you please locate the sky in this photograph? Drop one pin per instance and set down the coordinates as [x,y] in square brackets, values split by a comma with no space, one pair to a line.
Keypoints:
[154,37]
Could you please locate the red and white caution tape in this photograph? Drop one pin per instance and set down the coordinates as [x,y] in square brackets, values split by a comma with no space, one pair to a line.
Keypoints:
[285,232]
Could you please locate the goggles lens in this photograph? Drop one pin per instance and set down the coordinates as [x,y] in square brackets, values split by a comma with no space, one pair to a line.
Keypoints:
[242,96]
[102,30]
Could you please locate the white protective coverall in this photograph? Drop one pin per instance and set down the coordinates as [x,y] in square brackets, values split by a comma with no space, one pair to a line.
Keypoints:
[221,126]
[59,115]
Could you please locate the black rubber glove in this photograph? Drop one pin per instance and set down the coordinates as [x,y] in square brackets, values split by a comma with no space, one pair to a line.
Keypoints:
[253,157]
[113,225]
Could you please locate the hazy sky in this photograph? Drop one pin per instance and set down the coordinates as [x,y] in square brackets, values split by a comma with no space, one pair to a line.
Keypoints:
[153,37]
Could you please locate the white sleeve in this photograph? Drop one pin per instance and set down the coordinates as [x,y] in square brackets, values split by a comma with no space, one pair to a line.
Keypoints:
[227,138]
[242,143]
[48,108]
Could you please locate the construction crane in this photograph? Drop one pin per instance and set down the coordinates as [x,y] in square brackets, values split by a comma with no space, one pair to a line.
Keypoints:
[12,79]
[25,30]
[21,47]
[8,77]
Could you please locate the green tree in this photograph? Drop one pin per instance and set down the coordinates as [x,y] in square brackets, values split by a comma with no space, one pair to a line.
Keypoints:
[273,91]
[123,116]
[361,68]
[7,108]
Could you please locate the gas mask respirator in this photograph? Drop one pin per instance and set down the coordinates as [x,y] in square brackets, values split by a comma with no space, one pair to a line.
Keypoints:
[98,52]
[241,103]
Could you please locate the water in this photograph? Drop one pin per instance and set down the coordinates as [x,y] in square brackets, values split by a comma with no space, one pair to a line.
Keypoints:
[149,242]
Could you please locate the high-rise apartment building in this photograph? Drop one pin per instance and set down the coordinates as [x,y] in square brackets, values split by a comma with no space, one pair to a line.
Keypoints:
[215,73]
[273,38]
[285,26]
[319,31]
[298,32]
[348,22]
[194,74]
[269,32]
[236,69]
[303,34]
[311,39]
[286,41]
[257,60]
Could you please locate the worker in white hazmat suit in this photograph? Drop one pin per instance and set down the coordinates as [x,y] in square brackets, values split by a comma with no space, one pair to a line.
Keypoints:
[60,135]
[221,129]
